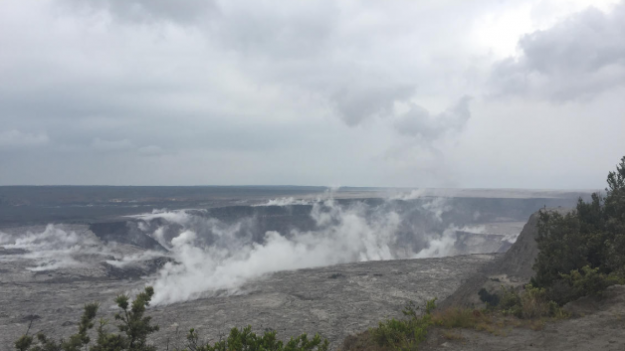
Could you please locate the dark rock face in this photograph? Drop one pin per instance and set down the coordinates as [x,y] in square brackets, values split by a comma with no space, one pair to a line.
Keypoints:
[125,233]
[517,262]
[136,270]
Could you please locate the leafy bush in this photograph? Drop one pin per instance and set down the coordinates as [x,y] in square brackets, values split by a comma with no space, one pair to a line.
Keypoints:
[245,340]
[581,252]
[405,334]
[457,318]
[589,282]
[532,303]
[509,299]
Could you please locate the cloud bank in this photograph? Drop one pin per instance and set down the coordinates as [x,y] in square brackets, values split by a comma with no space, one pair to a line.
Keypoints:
[310,93]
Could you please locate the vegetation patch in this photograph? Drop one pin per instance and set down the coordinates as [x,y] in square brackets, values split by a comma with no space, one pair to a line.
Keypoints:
[581,253]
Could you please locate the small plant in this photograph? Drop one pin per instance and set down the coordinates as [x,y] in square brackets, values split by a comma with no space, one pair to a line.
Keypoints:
[589,281]
[245,340]
[457,318]
[509,299]
[405,334]
[532,303]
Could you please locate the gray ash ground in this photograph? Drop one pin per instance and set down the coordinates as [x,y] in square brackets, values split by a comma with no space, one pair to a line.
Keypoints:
[333,301]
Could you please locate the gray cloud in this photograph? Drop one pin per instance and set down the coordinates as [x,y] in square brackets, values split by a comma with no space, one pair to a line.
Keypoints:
[111,145]
[418,122]
[358,103]
[151,150]
[301,30]
[255,92]
[579,57]
[17,139]
[183,12]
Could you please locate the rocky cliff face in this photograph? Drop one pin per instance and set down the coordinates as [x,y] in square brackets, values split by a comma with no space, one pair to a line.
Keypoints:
[513,269]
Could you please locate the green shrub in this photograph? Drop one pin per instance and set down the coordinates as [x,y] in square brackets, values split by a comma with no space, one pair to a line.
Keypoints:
[509,299]
[581,252]
[456,318]
[404,334]
[531,303]
[245,340]
[589,282]
[534,303]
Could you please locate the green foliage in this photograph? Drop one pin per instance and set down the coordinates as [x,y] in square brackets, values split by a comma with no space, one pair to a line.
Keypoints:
[582,253]
[135,325]
[405,334]
[23,343]
[589,282]
[509,299]
[245,340]
[457,318]
[532,303]
[614,213]
[80,339]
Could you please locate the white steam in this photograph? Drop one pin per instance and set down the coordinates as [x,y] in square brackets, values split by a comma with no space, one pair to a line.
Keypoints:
[343,234]
[51,249]
[346,236]
[286,201]
[57,247]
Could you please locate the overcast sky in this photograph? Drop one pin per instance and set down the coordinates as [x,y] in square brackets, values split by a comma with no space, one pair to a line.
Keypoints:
[453,93]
